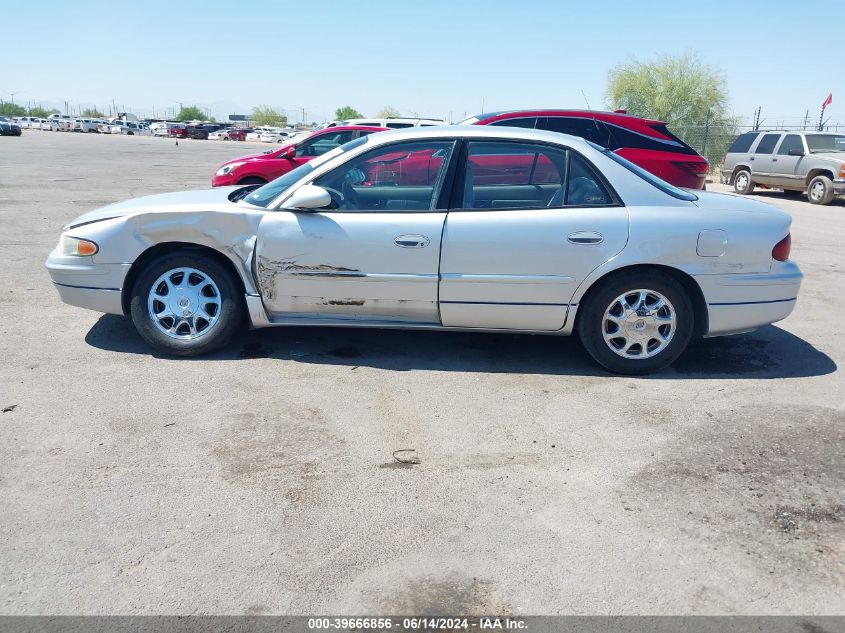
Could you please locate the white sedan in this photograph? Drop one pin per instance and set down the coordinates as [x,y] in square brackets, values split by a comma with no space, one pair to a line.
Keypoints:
[446,228]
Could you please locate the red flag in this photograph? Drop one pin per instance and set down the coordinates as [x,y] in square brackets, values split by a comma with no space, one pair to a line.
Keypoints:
[827,101]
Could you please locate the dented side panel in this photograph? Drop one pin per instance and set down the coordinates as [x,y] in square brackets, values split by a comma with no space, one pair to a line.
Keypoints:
[350,265]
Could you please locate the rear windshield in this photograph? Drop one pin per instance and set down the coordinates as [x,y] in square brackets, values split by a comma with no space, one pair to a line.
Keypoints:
[650,178]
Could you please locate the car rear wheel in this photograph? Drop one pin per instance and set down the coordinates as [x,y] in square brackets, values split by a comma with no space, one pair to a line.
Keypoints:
[636,323]
[820,190]
[186,304]
[743,184]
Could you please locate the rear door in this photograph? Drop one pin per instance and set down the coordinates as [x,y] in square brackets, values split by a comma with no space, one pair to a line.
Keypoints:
[761,159]
[523,236]
[373,255]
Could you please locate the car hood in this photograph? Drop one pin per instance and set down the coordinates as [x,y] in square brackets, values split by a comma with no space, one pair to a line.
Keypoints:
[179,201]
[839,157]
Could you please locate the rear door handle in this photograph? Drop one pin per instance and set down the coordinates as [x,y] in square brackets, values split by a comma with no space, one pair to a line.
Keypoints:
[411,241]
[585,237]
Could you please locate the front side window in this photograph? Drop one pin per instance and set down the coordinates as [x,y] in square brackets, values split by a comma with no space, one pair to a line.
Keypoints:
[319,145]
[767,144]
[526,122]
[506,175]
[398,177]
[790,142]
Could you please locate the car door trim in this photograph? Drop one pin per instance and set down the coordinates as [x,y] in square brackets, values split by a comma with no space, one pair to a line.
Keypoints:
[498,278]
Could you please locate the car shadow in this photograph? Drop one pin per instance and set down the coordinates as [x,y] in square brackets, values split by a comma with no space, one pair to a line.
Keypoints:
[776,194]
[767,353]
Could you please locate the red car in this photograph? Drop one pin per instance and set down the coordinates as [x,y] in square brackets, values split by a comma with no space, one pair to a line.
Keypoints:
[262,168]
[644,142]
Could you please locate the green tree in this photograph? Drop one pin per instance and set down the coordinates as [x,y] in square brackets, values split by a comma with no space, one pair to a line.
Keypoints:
[7,108]
[92,113]
[681,90]
[41,113]
[190,113]
[347,112]
[265,115]
[388,112]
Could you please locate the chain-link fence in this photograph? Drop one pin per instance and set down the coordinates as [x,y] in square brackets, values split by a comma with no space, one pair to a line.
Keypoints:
[712,140]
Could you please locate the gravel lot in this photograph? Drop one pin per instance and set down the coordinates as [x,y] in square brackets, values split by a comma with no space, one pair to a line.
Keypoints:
[261,479]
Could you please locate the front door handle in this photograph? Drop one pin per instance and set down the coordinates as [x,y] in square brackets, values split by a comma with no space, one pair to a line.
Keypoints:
[585,237]
[411,241]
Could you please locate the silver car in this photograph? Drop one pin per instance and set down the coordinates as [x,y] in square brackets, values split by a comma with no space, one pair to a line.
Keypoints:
[797,162]
[453,228]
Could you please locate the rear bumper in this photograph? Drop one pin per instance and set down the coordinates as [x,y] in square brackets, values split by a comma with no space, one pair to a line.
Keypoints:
[80,282]
[743,302]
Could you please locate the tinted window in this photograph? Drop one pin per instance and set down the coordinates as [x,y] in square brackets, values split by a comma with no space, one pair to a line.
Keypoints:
[623,137]
[529,122]
[589,129]
[397,126]
[501,175]
[767,144]
[790,142]
[322,143]
[398,177]
[742,143]
[583,188]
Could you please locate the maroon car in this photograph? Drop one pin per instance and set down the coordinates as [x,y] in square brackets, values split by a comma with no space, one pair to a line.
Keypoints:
[644,142]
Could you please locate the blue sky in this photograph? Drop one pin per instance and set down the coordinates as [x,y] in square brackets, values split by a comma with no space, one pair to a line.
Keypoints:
[431,58]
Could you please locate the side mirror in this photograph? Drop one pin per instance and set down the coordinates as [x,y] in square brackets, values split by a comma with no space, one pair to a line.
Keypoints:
[795,152]
[308,197]
[290,152]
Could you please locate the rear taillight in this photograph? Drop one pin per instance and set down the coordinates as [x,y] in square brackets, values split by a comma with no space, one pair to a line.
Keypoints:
[696,167]
[781,250]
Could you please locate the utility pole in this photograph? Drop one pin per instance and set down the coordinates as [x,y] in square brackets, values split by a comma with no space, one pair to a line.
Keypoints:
[806,119]
[13,95]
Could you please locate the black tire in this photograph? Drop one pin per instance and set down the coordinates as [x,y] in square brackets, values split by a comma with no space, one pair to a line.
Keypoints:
[130,134]
[252,180]
[820,190]
[229,315]
[743,184]
[591,321]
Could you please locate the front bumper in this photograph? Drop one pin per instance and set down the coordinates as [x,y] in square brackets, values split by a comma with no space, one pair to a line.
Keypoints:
[839,187]
[744,302]
[83,283]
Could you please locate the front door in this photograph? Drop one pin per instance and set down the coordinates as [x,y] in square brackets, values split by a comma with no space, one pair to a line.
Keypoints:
[374,254]
[786,169]
[534,221]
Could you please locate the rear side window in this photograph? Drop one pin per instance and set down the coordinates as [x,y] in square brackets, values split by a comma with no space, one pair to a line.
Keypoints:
[398,126]
[529,122]
[742,143]
[790,142]
[620,137]
[767,144]
[589,129]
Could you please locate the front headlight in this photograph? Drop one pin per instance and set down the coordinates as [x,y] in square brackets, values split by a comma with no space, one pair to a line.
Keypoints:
[228,169]
[77,247]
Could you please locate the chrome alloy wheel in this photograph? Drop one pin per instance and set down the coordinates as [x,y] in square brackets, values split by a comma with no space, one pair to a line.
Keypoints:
[639,324]
[817,191]
[742,181]
[184,303]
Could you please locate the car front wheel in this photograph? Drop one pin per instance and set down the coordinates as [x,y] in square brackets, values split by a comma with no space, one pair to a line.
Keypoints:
[636,323]
[820,190]
[186,304]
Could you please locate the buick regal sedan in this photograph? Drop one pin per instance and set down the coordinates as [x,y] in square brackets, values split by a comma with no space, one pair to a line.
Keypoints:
[451,228]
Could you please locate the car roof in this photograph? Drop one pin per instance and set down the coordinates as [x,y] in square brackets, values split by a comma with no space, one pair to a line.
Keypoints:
[601,114]
[480,132]
[341,128]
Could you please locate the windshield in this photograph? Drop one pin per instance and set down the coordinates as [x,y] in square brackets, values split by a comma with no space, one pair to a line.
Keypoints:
[826,143]
[263,196]
[650,178]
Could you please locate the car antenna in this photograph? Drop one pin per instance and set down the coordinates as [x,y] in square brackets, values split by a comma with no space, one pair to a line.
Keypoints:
[595,121]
